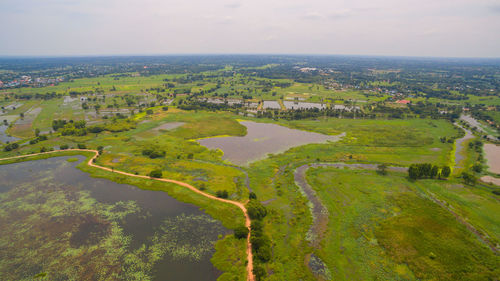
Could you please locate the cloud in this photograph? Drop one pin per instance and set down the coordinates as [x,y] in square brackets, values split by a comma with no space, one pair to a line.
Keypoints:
[494,8]
[234,5]
[342,13]
[312,16]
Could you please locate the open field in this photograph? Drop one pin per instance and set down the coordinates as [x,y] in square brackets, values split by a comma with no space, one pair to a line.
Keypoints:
[385,227]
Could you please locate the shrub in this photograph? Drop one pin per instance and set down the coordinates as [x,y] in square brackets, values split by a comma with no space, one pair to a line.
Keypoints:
[259,272]
[153,153]
[222,193]
[11,146]
[156,174]
[252,195]
[64,147]
[256,210]
[82,146]
[241,232]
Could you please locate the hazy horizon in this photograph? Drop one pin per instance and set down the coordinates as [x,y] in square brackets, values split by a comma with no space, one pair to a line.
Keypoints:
[68,28]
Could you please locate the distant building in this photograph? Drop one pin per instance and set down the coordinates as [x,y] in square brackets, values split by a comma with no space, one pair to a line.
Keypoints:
[403,101]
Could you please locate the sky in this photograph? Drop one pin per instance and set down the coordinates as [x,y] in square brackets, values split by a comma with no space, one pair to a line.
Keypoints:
[437,28]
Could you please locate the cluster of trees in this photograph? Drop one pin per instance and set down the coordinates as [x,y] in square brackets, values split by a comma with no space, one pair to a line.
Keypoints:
[261,244]
[38,139]
[76,128]
[156,173]
[427,170]
[153,153]
[11,146]
[222,194]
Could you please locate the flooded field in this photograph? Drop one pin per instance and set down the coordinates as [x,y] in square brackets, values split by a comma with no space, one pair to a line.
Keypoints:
[492,155]
[262,139]
[4,137]
[59,222]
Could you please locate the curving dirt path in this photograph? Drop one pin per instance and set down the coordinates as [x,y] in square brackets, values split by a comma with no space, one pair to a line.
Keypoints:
[250,276]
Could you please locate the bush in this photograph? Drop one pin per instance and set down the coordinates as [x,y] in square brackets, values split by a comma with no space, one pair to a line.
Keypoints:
[256,210]
[11,146]
[222,194]
[153,153]
[259,272]
[241,232]
[445,171]
[81,146]
[149,111]
[156,174]
[64,147]
[382,169]
[252,195]
[95,129]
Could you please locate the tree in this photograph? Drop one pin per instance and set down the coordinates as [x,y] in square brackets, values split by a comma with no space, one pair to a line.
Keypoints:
[413,172]
[156,174]
[434,171]
[252,195]
[478,168]
[256,210]
[382,169]
[37,132]
[241,232]
[259,272]
[469,178]
[222,193]
[445,171]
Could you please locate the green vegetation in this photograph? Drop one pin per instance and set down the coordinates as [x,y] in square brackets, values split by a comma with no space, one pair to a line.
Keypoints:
[386,227]
[435,222]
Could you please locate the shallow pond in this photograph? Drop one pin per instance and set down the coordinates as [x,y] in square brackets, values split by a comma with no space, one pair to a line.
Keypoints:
[492,155]
[262,139]
[3,135]
[59,221]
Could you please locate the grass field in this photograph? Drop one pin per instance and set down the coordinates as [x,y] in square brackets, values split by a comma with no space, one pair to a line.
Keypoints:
[383,227]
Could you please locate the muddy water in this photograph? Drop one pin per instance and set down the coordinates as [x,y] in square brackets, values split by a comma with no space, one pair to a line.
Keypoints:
[4,137]
[492,155]
[262,139]
[60,221]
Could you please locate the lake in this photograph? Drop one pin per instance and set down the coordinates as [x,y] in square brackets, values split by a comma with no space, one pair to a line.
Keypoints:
[59,221]
[262,139]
